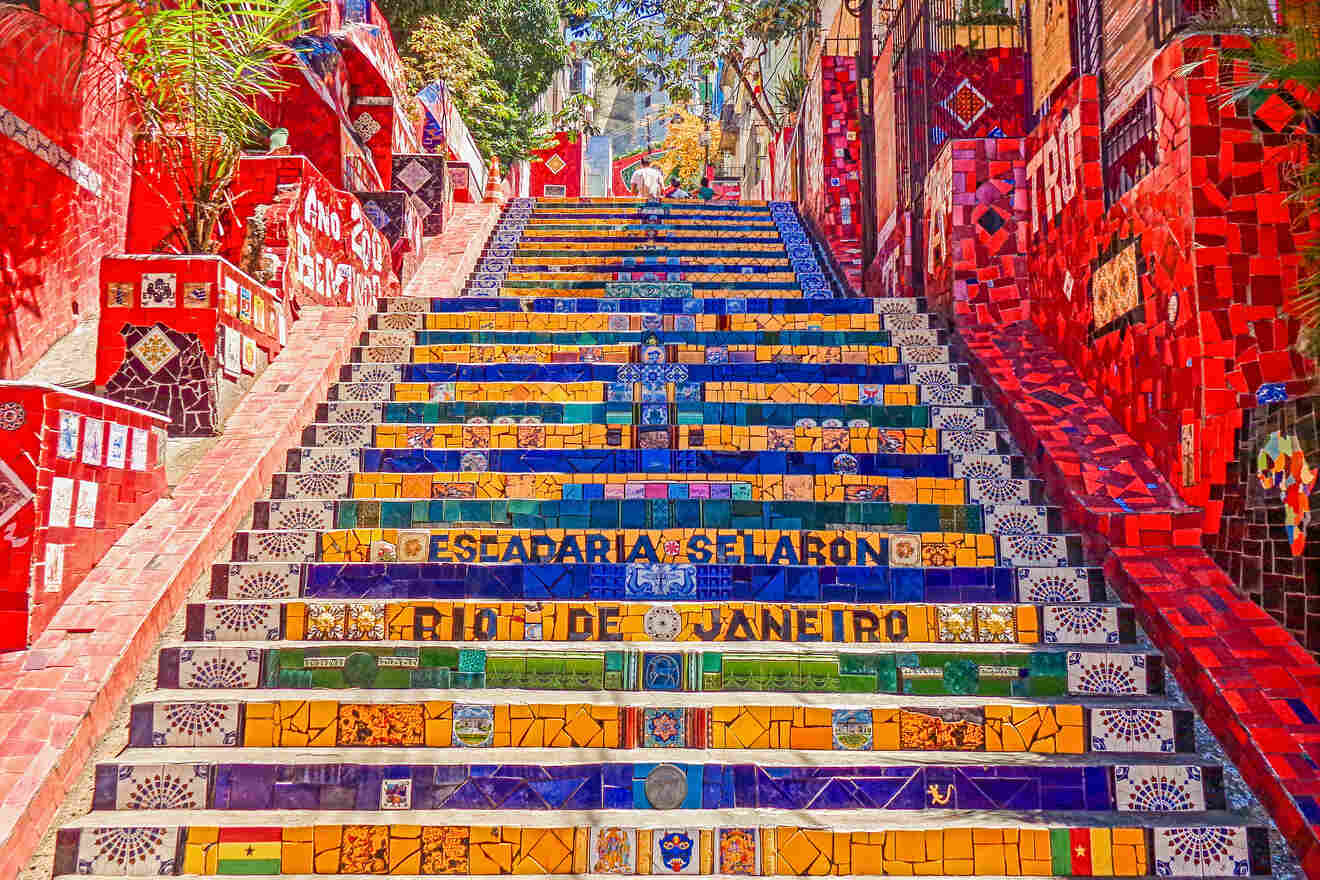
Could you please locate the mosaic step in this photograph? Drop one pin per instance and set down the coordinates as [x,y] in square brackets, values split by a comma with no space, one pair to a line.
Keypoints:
[345,443]
[649,309]
[683,354]
[464,621]
[838,547]
[933,386]
[737,487]
[657,513]
[854,733]
[674,847]
[305,785]
[658,460]
[804,415]
[711,582]
[769,375]
[969,671]
[585,342]
[652,451]
[529,434]
[628,316]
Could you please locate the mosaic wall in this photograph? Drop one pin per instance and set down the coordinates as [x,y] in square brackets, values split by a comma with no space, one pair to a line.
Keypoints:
[1269,537]
[425,178]
[976,92]
[560,168]
[172,329]
[75,472]
[395,215]
[1118,290]
[841,148]
[987,239]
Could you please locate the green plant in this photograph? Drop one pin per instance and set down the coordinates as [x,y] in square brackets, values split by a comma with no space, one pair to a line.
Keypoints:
[193,70]
[985,12]
[789,91]
[577,117]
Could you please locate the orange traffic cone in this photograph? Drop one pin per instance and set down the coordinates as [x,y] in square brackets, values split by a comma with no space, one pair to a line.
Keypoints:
[494,192]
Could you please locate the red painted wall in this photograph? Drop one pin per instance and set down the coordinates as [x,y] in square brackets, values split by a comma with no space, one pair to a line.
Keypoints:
[569,149]
[58,219]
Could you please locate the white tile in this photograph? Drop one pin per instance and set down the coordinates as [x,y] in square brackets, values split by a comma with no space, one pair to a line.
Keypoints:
[61,502]
[85,513]
[116,452]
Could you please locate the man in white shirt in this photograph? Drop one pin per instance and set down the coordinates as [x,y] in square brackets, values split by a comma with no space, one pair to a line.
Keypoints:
[647,180]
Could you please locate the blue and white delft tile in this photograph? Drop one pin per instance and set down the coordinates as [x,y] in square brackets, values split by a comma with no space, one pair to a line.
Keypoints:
[196,725]
[1202,852]
[264,580]
[1015,519]
[277,546]
[132,851]
[161,786]
[1053,584]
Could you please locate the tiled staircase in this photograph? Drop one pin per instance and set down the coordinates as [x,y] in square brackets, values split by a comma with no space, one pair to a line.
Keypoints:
[637,559]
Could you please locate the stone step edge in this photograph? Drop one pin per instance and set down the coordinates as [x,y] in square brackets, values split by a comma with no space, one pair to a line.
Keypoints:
[646,819]
[572,756]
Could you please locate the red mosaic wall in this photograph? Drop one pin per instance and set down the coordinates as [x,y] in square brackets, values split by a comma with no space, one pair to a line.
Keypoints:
[67,152]
[321,247]
[1180,353]
[78,471]
[841,152]
[172,326]
[975,231]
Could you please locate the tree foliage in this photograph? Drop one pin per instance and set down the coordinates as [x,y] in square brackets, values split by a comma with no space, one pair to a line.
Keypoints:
[190,70]
[453,53]
[685,154]
[496,57]
[645,44]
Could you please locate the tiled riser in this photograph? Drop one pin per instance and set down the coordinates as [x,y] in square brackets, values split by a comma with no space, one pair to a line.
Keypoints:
[1123,851]
[1128,788]
[649,521]
[1059,729]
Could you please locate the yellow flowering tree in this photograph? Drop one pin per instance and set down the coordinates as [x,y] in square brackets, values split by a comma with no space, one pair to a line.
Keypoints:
[684,151]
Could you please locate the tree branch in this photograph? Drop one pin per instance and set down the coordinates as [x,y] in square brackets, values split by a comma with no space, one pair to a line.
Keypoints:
[767,116]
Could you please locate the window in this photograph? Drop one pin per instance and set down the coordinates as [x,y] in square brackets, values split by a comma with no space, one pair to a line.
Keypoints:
[1128,148]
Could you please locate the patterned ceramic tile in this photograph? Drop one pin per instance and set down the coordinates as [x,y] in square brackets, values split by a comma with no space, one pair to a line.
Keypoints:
[1132,730]
[241,621]
[1159,788]
[210,668]
[1053,584]
[188,725]
[162,787]
[1081,624]
[134,851]
[264,580]
[1113,674]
